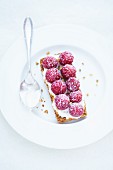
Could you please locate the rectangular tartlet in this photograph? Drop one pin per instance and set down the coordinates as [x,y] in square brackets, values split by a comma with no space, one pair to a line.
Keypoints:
[61,116]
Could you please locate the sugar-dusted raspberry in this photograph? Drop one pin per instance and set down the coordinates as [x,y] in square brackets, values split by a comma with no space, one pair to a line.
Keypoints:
[76,96]
[58,87]
[49,62]
[66,58]
[72,84]
[62,101]
[68,71]
[52,74]
[76,109]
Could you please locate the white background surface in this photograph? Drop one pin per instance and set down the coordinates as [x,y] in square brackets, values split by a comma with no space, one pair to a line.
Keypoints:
[17,153]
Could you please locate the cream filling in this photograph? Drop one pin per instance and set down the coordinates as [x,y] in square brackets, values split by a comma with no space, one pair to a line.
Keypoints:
[62,113]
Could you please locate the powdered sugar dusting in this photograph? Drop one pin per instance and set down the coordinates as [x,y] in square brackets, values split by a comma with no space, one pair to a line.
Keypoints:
[62,101]
[58,87]
[76,96]
[76,109]
[52,75]
[50,62]
[66,58]
[68,71]
[73,84]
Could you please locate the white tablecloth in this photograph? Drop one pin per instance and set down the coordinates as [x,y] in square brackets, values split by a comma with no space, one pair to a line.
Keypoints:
[17,153]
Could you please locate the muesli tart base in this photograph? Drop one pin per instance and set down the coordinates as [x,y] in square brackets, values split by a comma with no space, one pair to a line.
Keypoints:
[60,119]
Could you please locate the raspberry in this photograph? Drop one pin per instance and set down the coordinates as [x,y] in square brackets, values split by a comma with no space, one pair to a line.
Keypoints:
[62,101]
[76,110]
[72,84]
[68,71]
[49,62]
[58,87]
[52,74]
[75,96]
[66,58]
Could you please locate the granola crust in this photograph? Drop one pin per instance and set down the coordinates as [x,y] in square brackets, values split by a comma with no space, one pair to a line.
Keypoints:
[58,117]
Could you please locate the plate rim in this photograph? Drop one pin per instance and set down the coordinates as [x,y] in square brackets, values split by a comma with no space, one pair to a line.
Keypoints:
[2,61]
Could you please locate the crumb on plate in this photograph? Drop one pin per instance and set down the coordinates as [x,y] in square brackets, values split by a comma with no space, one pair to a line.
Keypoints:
[87,94]
[79,70]
[37,63]
[42,105]
[46,111]
[82,63]
[40,100]
[57,54]
[97,81]
[48,52]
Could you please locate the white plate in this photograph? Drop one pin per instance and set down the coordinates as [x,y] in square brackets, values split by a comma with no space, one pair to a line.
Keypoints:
[89,48]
